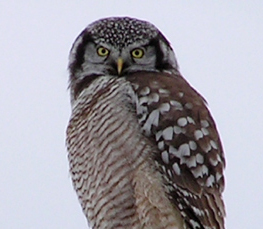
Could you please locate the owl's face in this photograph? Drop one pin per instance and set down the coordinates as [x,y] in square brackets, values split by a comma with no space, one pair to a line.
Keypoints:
[118,47]
[105,59]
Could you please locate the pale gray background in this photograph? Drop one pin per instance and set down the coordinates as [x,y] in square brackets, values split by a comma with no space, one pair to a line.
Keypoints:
[219,46]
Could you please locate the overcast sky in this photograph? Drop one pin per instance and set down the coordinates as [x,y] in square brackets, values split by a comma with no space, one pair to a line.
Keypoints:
[219,47]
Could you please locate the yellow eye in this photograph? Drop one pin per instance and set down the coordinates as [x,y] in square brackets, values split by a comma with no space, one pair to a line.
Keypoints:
[137,53]
[102,51]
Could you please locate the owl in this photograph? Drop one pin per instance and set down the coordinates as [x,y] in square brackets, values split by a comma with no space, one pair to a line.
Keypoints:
[143,148]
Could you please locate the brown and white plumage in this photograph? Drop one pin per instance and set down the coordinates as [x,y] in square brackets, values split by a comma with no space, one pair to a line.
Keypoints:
[144,151]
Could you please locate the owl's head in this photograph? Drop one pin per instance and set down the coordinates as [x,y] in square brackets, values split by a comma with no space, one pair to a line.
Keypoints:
[119,46]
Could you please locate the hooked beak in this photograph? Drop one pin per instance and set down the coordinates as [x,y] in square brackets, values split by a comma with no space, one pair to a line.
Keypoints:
[119,65]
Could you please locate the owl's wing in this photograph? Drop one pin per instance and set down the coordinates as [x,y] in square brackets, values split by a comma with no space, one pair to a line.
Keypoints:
[190,155]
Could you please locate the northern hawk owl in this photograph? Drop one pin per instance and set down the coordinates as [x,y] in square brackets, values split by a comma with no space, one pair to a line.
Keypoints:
[144,151]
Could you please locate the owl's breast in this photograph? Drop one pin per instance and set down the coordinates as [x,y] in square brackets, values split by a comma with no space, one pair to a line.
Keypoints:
[104,148]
